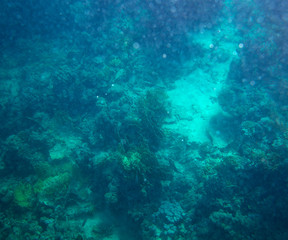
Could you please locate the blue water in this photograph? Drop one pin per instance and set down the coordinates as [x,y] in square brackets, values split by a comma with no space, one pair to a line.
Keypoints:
[161,120]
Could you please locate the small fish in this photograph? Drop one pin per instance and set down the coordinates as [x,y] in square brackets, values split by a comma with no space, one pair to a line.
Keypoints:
[84,222]
[208,135]
[172,165]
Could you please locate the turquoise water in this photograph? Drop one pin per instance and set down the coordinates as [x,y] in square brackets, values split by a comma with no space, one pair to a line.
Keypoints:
[144,120]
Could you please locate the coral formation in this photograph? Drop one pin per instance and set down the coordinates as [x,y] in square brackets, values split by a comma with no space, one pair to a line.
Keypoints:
[132,119]
[24,195]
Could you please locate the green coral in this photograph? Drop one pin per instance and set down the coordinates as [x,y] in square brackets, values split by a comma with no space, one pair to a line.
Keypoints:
[132,161]
[23,195]
[53,186]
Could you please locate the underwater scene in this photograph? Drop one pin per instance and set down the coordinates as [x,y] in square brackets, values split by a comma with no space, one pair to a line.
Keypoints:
[144,120]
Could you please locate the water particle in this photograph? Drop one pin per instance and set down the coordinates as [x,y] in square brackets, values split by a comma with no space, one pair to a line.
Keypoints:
[136,45]
[173,9]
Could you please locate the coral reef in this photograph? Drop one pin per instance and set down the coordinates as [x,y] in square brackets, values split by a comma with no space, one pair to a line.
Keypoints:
[132,119]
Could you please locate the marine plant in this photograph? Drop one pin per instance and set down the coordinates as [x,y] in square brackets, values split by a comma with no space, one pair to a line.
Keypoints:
[152,109]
